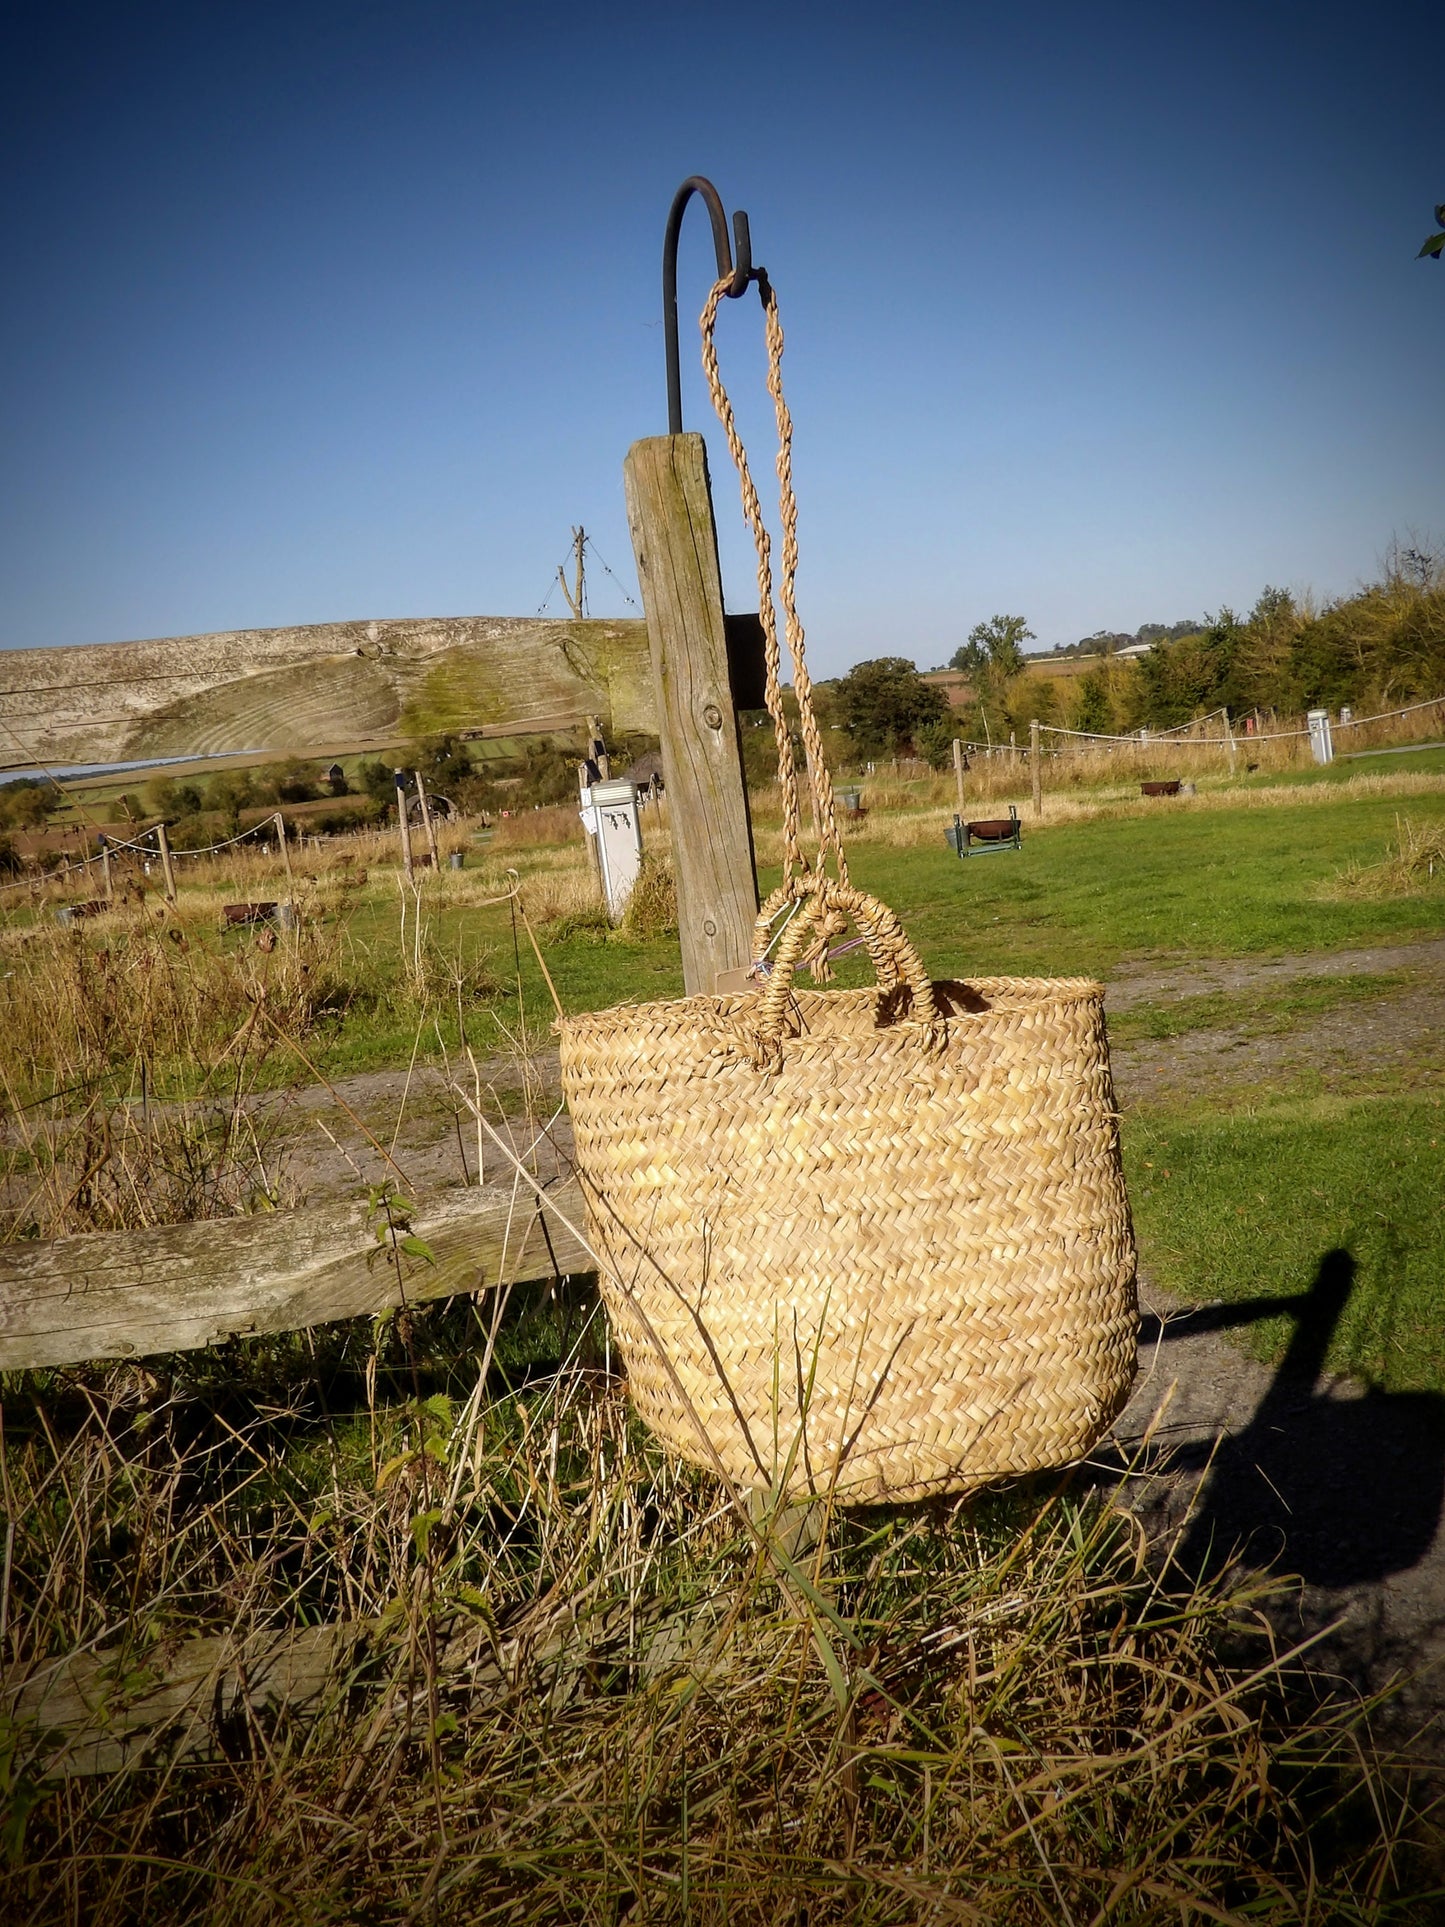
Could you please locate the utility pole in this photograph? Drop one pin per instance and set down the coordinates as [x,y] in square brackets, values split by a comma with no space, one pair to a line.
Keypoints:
[576,591]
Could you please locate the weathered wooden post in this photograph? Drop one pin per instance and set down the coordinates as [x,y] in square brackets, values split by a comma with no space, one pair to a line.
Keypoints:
[1036,766]
[105,870]
[958,770]
[285,853]
[402,825]
[426,822]
[164,843]
[674,540]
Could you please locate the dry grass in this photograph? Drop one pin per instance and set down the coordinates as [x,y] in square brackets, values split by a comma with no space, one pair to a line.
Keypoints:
[133,1046]
[652,908]
[1414,865]
[529,828]
[584,1686]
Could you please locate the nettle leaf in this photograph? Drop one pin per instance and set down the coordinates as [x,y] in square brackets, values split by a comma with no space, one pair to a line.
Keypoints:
[421,1529]
[417,1248]
[389,1471]
[1434,247]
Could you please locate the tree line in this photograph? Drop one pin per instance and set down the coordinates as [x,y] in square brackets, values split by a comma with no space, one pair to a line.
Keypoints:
[1380,648]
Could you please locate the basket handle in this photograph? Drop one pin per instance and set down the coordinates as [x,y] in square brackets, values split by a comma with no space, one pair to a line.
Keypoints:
[894,958]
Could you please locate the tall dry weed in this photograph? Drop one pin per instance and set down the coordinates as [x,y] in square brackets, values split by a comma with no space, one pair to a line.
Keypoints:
[554,1677]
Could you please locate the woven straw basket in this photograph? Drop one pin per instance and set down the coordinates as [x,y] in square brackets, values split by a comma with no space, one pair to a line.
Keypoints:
[866,1242]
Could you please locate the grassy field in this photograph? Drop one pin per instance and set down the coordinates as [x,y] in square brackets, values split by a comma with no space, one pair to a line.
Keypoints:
[582,1683]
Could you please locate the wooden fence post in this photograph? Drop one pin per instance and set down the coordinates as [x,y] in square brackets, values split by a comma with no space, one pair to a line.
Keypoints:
[1036,766]
[166,871]
[958,770]
[674,540]
[402,824]
[105,870]
[426,822]
[285,853]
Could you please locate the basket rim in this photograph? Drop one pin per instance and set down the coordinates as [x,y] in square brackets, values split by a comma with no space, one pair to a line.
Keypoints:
[1002,993]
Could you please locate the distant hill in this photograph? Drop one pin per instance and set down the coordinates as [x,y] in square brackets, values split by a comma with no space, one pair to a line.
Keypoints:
[323,686]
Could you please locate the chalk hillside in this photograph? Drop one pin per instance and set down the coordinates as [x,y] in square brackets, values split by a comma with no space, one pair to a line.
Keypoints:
[327,685]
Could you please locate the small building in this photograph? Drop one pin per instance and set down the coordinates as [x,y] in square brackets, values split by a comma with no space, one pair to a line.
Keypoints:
[645,776]
[442,808]
[336,777]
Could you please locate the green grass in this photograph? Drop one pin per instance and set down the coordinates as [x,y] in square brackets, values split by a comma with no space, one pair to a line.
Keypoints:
[1080,898]
[1255,1013]
[1245,1205]
[1349,763]
[1083,897]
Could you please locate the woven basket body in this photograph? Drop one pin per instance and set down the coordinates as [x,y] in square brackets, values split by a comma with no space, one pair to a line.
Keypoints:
[892,1263]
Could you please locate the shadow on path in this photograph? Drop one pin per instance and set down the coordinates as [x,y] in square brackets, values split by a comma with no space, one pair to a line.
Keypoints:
[1341,1489]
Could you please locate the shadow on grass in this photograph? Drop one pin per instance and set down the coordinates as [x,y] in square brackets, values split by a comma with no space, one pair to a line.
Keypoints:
[1342,1489]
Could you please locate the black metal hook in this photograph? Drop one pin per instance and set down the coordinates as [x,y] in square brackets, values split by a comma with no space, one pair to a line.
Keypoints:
[740,275]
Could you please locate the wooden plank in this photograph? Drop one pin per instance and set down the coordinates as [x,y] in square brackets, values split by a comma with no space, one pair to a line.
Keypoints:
[179,1287]
[674,540]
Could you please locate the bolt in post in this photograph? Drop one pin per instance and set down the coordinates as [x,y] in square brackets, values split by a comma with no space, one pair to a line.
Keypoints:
[402,824]
[166,871]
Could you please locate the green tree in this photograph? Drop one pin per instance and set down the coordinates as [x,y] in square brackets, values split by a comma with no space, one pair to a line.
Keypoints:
[444,764]
[1094,712]
[26,801]
[885,703]
[934,742]
[377,780]
[994,652]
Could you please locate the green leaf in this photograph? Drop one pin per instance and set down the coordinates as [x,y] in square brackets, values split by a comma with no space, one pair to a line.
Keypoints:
[421,1529]
[417,1248]
[389,1471]
[1433,247]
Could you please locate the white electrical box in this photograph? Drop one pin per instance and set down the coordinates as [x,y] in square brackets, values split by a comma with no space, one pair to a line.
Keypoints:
[1321,743]
[610,814]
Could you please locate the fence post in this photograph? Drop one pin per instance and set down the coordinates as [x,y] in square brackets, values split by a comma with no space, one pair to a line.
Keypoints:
[1229,741]
[1036,765]
[105,870]
[166,871]
[285,853]
[426,823]
[958,770]
[674,540]
[402,824]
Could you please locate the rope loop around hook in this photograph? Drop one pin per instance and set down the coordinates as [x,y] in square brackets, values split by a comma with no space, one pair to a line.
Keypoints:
[799,877]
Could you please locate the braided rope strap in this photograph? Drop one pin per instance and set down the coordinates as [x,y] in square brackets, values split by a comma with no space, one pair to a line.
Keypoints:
[821,904]
[798,879]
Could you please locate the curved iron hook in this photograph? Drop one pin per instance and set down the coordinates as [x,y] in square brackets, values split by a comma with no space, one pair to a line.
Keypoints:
[740,275]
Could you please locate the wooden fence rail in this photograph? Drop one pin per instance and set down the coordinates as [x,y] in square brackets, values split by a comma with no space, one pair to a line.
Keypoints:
[179,1287]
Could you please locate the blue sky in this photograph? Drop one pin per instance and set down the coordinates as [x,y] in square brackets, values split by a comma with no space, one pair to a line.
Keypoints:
[1098,314]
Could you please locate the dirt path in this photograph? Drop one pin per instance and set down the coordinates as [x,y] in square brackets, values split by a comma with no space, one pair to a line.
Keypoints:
[1389,1040]
[1311,1474]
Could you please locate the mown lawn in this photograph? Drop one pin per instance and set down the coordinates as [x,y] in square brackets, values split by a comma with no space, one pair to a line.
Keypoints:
[1079,898]
[1245,1204]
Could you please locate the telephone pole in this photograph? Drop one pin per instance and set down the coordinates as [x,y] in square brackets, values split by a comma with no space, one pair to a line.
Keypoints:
[575,592]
